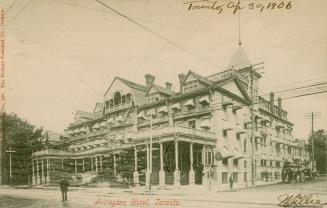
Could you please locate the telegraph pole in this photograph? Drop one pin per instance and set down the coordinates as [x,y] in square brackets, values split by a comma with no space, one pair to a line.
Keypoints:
[10,166]
[312,116]
[252,127]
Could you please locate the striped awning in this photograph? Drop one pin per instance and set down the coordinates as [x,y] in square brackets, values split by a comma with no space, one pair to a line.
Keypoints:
[205,123]
[163,109]
[96,126]
[189,103]
[103,124]
[120,118]
[151,112]
[225,153]
[141,114]
[204,99]
[82,130]
[110,120]
[176,106]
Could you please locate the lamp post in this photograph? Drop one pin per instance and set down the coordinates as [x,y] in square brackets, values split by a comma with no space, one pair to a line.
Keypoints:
[10,166]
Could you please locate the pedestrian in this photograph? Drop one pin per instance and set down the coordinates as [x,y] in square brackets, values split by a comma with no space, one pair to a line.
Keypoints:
[231,181]
[64,188]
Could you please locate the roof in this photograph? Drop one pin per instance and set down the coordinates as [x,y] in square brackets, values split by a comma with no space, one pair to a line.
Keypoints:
[198,77]
[52,136]
[83,114]
[133,84]
[160,89]
[239,60]
[98,105]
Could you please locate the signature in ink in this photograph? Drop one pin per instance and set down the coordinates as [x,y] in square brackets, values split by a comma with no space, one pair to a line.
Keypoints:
[300,200]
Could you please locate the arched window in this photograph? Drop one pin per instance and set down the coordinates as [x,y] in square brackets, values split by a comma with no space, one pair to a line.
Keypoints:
[117,98]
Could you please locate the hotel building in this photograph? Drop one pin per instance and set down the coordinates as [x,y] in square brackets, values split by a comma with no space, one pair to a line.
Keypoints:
[144,134]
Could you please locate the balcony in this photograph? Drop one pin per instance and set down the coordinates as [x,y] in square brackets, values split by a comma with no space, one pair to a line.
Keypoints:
[127,122]
[157,120]
[119,107]
[192,112]
[172,130]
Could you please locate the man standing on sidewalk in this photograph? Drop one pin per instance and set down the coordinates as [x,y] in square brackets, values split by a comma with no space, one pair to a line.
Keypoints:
[64,188]
[231,181]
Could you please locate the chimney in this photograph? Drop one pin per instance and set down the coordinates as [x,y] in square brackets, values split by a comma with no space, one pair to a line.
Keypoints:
[272,97]
[279,106]
[169,85]
[181,78]
[149,80]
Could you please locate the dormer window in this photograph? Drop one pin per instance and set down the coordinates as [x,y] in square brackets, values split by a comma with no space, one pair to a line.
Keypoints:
[117,98]
[190,86]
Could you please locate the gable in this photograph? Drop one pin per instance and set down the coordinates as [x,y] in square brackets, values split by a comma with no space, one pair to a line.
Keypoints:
[190,78]
[152,90]
[233,88]
[117,86]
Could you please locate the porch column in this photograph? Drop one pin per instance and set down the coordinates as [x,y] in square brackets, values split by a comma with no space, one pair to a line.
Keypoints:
[96,164]
[33,174]
[191,173]
[100,163]
[37,172]
[204,171]
[176,171]
[83,165]
[75,165]
[135,173]
[161,172]
[147,173]
[115,171]
[48,171]
[92,164]
[43,172]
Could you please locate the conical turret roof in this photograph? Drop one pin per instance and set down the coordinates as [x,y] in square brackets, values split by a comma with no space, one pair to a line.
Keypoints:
[240,60]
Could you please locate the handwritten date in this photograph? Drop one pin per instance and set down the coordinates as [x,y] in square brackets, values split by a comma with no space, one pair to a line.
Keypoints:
[235,6]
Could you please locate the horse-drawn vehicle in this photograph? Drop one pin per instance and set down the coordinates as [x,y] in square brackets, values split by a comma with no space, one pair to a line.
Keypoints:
[295,172]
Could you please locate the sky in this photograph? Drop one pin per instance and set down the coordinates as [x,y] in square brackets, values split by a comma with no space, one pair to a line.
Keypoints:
[62,55]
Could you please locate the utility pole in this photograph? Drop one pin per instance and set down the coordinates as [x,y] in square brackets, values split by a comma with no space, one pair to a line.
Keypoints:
[252,127]
[312,116]
[150,152]
[10,166]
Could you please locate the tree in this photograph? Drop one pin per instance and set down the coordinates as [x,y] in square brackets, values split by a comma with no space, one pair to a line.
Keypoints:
[24,138]
[320,150]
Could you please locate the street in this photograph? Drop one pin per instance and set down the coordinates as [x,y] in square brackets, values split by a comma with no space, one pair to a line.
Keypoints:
[263,196]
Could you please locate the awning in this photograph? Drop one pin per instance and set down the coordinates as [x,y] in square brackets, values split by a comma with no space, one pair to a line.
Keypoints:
[82,130]
[226,102]
[96,126]
[176,106]
[204,99]
[110,120]
[151,112]
[120,118]
[236,107]
[103,125]
[238,154]
[225,153]
[190,103]
[141,114]
[205,123]
[163,109]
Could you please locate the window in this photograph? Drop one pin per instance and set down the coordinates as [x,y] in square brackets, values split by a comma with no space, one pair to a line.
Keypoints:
[225,161]
[208,157]
[235,177]
[123,98]
[190,86]
[224,178]
[191,124]
[128,98]
[224,133]
[245,164]
[235,162]
[245,177]
[244,146]
[117,98]
[107,104]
